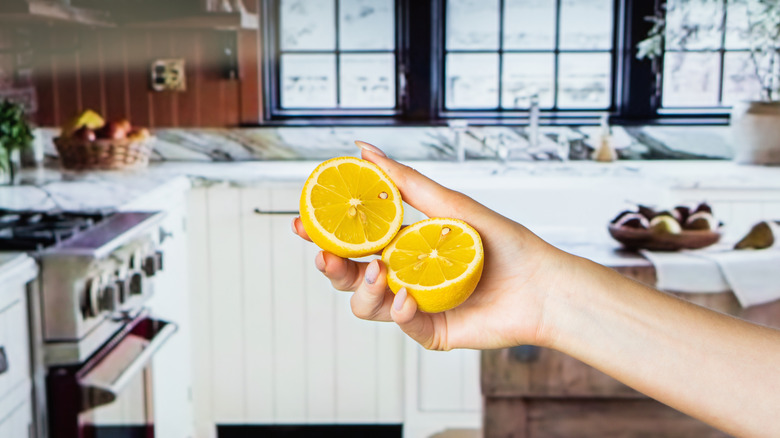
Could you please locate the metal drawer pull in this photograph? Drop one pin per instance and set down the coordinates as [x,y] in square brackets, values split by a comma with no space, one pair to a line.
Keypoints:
[3,361]
[287,212]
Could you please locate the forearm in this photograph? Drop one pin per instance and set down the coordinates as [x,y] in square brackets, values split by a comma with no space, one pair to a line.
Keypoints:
[719,369]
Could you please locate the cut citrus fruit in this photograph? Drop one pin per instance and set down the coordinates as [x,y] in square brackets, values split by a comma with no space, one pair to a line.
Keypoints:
[439,262]
[350,207]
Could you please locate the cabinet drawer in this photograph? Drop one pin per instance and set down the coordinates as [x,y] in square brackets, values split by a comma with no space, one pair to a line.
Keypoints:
[14,341]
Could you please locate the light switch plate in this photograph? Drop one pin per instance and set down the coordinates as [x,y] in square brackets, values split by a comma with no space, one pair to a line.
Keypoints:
[168,75]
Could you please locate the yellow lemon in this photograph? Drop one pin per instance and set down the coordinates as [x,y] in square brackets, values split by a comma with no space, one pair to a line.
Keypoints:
[439,261]
[350,207]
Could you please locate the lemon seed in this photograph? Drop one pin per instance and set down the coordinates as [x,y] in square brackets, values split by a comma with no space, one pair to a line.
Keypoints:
[352,211]
[445,231]
[383,195]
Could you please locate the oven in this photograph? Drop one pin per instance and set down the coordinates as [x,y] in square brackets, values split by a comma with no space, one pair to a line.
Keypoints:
[111,394]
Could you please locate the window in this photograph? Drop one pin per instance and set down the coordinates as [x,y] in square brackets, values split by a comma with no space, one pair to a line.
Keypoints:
[336,54]
[428,60]
[707,61]
[500,53]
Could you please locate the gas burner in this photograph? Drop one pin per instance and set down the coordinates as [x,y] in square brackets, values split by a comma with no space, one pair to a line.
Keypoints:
[33,230]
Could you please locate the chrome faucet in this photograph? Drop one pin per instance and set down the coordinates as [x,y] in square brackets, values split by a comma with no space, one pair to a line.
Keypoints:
[459,127]
[533,122]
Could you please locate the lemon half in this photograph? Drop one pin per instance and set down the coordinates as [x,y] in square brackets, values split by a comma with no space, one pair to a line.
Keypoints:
[350,207]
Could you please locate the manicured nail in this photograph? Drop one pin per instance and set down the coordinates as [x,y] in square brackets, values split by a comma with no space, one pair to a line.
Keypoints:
[295,230]
[398,301]
[319,262]
[370,148]
[372,272]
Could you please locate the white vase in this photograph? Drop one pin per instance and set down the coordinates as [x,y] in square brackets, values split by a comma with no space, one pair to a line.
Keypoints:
[755,129]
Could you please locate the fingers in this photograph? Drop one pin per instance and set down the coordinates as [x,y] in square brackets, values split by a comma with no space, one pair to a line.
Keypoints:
[297,227]
[372,299]
[419,191]
[344,274]
[419,326]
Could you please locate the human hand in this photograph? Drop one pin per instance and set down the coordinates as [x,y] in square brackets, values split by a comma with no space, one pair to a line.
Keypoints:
[507,307]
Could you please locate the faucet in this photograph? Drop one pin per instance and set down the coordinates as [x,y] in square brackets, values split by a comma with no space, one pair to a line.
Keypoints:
[458,127]
[533,122]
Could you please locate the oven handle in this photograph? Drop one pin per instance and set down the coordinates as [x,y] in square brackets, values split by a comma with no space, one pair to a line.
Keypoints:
[99,393]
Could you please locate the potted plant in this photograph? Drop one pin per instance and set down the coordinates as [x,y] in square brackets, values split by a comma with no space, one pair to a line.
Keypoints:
[15,135]
[755,124]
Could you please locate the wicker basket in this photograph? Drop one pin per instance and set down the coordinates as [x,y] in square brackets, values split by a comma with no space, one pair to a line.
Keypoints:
[103,154]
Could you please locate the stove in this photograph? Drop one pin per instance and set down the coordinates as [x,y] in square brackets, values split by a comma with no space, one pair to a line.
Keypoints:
[97,271]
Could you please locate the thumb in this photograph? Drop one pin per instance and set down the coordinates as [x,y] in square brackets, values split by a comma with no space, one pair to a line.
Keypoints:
[417,325]
[421,192]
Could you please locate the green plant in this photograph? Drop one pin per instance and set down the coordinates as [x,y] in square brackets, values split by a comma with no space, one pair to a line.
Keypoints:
[762,31]
[15,134]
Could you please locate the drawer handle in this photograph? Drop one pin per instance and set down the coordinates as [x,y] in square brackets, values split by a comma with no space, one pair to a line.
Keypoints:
[525,353]
[3,361]
[284,212]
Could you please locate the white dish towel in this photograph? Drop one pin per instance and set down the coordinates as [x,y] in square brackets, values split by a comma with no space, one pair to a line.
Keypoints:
[752,275]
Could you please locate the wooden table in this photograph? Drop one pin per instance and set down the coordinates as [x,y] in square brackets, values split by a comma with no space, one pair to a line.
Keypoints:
[535,392]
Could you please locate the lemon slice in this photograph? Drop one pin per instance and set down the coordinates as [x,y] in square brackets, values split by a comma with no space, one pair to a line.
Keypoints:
[439,262]
[350,207]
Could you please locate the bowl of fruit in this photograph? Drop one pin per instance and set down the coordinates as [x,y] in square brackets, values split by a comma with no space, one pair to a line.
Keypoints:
[88,142]
[683,227]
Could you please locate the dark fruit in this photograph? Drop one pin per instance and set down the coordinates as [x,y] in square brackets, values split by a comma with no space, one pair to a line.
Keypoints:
[112,130]
[701,221]
[647,212]
[704,207]
[683,212]
[620,216]
[84,133]
[633,220]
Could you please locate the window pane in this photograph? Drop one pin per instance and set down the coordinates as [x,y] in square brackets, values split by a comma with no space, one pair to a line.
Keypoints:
[366,24]
[694,24]
[472,80]
[738,17]
[525,75]
[308,25]
[584,80]
[472,24]
[308,81]
[586,24]
[691,79]
[739,79]
[529,24]
[367,80]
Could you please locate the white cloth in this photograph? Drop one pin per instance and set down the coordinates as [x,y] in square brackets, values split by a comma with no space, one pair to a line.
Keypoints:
[752,275]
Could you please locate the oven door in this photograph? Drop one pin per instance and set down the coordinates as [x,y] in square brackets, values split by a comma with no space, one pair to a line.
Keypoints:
[110,396]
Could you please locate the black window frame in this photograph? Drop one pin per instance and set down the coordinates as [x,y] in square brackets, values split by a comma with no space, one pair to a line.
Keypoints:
[420,38]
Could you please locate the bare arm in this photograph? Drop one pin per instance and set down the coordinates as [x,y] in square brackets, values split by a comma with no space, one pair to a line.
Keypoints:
[721,370]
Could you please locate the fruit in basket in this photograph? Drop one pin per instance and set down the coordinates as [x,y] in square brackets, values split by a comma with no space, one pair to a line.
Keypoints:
[633,220]
[665,224]
[701,220]
[138,134]
[85,134]
[88,118]
[112,131]
[759,237]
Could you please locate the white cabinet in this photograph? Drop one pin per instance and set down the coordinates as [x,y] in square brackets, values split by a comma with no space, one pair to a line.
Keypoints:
[277,344]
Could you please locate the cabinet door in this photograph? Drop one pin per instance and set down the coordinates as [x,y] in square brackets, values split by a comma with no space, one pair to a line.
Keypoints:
[172,369]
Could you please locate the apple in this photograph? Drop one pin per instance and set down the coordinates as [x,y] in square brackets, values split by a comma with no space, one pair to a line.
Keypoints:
[112,130]
[138,134]
[125,124]
[84,133]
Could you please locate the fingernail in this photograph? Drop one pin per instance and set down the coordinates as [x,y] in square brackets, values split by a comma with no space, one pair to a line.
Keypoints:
[372,272]
[370,148]
[398,301]
[319,262]
[295,230]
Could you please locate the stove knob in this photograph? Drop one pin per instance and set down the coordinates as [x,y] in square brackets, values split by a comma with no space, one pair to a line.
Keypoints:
[108,300]
[91,298]
[136,283]
[150,265]
[122,289]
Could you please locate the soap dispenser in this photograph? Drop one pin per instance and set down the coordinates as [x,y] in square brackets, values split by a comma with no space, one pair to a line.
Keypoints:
[605,152]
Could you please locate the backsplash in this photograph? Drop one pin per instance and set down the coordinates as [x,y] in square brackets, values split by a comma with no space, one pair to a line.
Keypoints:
[429,143]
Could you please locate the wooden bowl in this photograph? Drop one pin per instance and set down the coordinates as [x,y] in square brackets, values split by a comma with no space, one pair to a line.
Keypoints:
[633,238]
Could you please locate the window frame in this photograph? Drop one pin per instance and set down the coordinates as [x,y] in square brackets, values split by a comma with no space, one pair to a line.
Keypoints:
[420,76]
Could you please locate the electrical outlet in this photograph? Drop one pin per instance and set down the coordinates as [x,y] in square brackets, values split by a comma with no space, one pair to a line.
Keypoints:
[168,74]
